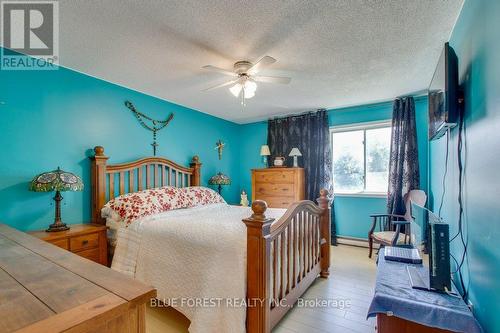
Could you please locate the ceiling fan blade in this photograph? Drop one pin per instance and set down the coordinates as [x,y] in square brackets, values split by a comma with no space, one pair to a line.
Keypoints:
[221,85]
[259,65]
[272,79]
[219,70]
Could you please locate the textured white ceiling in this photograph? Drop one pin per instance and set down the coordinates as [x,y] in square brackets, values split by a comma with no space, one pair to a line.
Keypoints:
[338,52]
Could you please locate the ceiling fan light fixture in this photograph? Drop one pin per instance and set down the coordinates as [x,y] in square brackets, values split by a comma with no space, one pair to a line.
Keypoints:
[250,86]
[249,93]
[236,89]
[244,85]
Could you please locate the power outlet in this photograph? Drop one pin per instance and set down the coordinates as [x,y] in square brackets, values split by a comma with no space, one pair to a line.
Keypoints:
[470,305]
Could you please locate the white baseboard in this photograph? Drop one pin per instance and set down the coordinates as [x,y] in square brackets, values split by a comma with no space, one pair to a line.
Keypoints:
[353,241]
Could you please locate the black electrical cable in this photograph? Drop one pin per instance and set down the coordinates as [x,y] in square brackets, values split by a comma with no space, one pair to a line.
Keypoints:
[445,171]
[461,133]
[443,193]
[456,264]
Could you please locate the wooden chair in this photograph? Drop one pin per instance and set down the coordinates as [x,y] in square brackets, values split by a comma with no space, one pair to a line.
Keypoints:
[389,225]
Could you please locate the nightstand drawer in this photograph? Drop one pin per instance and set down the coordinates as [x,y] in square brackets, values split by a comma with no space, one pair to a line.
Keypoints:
[84,242]
[62,243]
[92,254]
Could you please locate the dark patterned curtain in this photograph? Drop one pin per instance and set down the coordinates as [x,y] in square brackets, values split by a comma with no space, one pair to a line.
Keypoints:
[310,133]
[404,174]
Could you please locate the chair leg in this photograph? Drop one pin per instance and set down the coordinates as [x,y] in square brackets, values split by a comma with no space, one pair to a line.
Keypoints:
[370,245]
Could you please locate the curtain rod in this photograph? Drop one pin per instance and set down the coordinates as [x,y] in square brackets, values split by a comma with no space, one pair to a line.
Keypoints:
[296,114]
[416,95]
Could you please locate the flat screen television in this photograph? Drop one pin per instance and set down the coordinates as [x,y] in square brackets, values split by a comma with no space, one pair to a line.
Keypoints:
[443,94]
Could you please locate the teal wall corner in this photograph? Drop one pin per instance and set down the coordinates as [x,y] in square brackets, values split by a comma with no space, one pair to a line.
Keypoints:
[253,136]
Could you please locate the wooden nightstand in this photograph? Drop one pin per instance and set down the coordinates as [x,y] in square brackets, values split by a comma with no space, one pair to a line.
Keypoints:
[86,240]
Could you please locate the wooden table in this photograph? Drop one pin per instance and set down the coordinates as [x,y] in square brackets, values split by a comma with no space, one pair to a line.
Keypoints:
[44,288]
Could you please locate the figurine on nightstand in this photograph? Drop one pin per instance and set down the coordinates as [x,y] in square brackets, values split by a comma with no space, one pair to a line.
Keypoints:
[244,199]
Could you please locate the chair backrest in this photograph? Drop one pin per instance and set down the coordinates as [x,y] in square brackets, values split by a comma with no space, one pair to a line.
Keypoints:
[416,196]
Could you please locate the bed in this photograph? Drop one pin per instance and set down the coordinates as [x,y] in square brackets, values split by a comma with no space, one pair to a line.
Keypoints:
[268,257]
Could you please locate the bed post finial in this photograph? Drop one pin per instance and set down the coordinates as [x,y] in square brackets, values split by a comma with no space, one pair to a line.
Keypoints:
[259,207]
[258,268]
[196,175]
[324,202]
[98,182]
[99,150]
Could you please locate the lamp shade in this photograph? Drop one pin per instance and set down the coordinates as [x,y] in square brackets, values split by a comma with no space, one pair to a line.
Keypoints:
[57,180]
[219,179]
[264,150]
[295,152]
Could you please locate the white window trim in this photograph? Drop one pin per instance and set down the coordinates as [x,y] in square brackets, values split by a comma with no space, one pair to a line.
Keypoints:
[361,194]
[356,127]
[360,126]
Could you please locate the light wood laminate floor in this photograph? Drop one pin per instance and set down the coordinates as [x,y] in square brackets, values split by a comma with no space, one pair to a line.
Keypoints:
[352,279]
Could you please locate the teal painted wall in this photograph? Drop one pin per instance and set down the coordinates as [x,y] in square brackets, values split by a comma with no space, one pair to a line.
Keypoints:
[53,118]
[253,136]
[351,213]
[476,40]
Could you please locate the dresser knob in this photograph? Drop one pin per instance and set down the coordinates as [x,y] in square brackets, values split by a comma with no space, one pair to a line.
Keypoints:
[85,242]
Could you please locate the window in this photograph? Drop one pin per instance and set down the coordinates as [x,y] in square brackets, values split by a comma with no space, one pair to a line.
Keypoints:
[361,158]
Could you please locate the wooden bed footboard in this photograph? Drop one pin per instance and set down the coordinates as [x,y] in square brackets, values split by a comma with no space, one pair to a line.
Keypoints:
[284,257]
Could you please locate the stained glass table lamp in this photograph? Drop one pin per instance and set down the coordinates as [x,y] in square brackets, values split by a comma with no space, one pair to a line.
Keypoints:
[57,180]
[219,179]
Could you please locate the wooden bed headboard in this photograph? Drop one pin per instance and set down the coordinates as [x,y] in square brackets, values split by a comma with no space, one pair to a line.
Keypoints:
[138,175]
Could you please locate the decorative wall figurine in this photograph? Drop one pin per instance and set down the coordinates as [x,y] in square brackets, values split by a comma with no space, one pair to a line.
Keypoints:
[155,126]
[244,199]
[219,146]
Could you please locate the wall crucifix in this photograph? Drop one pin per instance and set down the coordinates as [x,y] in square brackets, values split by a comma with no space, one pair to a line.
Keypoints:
[153,126]
[219,146]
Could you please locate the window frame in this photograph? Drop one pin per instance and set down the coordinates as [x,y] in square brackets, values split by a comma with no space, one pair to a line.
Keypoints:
[364,126]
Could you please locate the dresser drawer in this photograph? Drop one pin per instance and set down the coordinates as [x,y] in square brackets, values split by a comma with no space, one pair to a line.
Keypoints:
[62,243]
[270,189]
[91,254]
[84,242]
[278,202]
[279,176]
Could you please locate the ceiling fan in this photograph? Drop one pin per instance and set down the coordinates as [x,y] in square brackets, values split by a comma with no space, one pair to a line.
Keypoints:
[245,77]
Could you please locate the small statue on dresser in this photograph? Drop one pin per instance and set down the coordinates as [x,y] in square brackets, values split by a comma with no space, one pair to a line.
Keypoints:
[244,199]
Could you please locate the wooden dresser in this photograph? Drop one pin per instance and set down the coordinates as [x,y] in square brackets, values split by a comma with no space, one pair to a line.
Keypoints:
[86,240]
[279,187]
[46,289]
